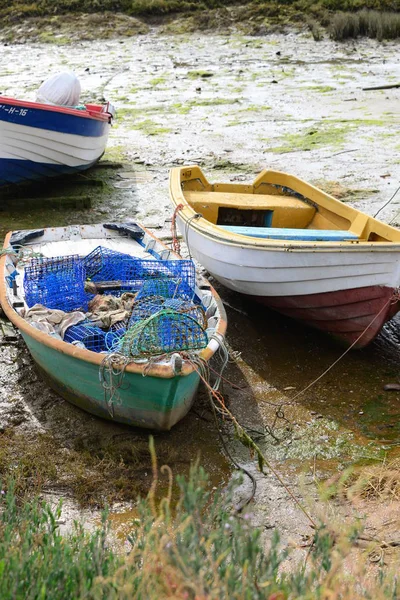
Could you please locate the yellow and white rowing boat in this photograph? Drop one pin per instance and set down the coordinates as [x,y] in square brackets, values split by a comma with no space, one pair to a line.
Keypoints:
[293,247]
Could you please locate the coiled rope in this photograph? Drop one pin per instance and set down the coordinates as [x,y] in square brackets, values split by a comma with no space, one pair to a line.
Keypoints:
[111,376]
[21,253]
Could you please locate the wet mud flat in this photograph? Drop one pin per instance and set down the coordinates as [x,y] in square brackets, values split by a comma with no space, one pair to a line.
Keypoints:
[233,105]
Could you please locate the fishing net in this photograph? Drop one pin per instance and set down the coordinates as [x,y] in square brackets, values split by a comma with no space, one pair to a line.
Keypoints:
[119,325]
[56,283]
[166,315]
[145,308]
[122,289]
[148,306]
[188,308]
[164,332]
[93,338]
[114,335]
[167,288]
[113,339]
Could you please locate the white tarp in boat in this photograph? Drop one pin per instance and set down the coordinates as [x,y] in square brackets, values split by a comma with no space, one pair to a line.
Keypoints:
[63,89]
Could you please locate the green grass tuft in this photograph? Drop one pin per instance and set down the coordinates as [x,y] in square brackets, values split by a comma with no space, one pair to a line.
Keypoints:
[198,548]
[365,23]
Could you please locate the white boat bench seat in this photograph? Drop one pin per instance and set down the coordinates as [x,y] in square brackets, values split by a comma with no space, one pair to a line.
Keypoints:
[283,233]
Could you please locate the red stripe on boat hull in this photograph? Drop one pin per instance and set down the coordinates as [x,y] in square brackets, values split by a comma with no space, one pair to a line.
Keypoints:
[345,314]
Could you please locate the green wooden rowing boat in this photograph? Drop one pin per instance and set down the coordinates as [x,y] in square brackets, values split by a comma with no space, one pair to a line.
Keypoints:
[150,394]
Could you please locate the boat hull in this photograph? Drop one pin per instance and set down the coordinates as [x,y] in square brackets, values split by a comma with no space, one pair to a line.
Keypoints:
[341,292]
[20,171]
[147,402]
[37,143]
[354,317]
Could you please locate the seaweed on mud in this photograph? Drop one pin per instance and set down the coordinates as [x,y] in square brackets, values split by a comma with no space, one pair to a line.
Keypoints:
[95,471]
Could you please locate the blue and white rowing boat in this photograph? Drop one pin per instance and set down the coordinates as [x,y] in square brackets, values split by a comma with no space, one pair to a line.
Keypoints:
[38,141]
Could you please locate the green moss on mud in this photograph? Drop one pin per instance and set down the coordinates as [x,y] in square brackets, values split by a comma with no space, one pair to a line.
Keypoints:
[341,192]
[323,135]
[48,37]
[323,438]
[149,127]
[181,109]
[321,89]
[333,134]
[229,166]
[213,101]
[116,153]
[199,74]
[160,80]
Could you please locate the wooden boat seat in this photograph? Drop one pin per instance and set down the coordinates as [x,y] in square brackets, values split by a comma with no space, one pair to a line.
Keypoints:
[285,210]
[282,233]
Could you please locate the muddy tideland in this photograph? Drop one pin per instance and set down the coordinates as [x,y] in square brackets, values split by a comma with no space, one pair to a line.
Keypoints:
[233,105]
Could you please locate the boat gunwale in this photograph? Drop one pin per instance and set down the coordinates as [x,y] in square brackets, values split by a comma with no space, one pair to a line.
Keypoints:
[86,114]
[212,231]
[154,370]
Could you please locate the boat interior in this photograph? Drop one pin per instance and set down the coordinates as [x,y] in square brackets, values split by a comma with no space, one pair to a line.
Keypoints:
[81,240]
[278,206]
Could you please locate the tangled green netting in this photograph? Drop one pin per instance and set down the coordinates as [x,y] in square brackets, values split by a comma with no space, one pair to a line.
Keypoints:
[163,332]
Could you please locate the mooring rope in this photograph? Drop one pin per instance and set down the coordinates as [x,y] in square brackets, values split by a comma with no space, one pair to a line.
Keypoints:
[202,368]
[219,406]
[187,230]
[386,203]
[176,245]
[392,300]
[112,371]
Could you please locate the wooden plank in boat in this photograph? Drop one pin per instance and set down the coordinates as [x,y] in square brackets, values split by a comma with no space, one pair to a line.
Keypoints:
[287,211]
[255,201]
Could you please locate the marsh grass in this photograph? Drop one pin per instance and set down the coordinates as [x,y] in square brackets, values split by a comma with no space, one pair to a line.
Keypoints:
[365,23]
[378,481]
[195,548]
[37,562]
[104,19]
